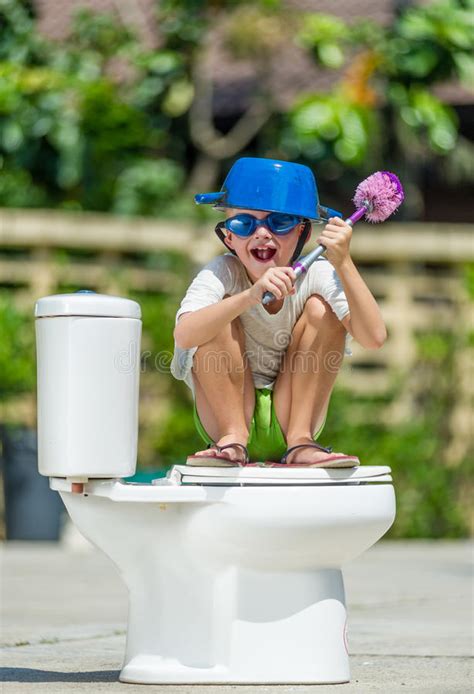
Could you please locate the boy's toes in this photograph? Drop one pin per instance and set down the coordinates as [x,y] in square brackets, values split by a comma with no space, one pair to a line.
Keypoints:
[233,454]
[209,452]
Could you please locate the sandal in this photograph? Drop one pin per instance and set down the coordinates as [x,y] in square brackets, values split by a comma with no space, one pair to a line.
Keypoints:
[335,460]
[219,460]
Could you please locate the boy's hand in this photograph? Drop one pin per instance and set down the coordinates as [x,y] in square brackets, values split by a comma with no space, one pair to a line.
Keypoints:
[336,236]
[278,280]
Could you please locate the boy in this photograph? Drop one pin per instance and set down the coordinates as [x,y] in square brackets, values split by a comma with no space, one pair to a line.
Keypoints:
[262,376]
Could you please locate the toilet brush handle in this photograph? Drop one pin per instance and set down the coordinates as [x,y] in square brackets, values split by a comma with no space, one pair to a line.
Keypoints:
[376,198]
[299,267]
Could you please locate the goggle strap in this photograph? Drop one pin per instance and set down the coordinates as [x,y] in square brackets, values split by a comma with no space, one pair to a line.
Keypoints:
[221,236]
[301,242]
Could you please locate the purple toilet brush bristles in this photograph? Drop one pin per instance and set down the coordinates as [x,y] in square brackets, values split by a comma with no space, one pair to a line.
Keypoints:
[376,198]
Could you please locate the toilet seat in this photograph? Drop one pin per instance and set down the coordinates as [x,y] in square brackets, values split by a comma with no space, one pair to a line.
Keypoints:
[191,485]
[288,476]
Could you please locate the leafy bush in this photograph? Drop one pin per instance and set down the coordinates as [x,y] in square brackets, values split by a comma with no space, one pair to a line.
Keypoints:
[427,489]
[100,122]
[71,134]
[387,77]
[146,187]
[17,351]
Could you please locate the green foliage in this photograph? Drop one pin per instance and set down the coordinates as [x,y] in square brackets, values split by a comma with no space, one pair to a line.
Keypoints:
[392,67]
[19,42]
[469,279]
[100,34]
[17,355]
[434,348]
[101,122]
[183,24]
[146,186]
[256,30]
[433,42]
[427,490]
[178,437]
[158,323]
[327,127]
[18,190]
[75,137]
[326,36]
[425,116]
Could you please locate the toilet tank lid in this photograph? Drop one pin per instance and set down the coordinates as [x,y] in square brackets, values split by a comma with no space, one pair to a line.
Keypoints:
[86,304]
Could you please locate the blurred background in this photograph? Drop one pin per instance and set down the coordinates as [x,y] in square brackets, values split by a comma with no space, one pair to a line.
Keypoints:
[113,113]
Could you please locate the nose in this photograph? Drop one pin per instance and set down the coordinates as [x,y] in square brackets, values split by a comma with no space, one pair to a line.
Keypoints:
[262,230]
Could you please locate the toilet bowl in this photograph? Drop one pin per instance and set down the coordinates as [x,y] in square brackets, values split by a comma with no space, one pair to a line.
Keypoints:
[232,579]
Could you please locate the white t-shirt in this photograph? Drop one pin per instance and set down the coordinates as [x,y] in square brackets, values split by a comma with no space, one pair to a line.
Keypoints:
[267,335]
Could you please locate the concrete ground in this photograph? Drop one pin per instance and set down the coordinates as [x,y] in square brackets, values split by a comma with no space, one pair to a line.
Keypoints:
[410,622]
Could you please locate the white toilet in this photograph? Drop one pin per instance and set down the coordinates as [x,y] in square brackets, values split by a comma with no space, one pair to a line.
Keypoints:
[232,579]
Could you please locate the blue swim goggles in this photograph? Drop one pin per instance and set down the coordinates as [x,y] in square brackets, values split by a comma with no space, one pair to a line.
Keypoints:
[245,224]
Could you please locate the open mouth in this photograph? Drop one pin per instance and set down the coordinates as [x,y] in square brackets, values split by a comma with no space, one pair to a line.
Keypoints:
[263,255]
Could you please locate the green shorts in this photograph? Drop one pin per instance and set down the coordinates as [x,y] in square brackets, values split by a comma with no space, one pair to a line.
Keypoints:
[266,439]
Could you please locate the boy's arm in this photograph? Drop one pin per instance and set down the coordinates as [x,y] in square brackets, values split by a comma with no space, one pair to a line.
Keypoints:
[364,321]
[197,327]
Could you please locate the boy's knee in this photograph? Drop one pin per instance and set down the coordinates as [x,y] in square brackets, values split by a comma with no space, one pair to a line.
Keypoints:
[221,356]
[318,313]
[232,332]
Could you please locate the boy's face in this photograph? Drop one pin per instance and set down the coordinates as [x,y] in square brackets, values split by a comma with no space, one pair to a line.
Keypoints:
[278,249]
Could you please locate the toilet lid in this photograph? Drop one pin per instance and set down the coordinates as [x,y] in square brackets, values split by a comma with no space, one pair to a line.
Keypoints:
[183,474]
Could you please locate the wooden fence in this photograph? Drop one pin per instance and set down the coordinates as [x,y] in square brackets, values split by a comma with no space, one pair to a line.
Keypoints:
[414,270]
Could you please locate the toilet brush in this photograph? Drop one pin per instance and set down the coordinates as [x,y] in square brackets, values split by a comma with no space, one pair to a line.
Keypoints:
[376,198]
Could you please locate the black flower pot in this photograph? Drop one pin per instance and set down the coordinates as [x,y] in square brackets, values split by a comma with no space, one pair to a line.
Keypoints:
[32,510]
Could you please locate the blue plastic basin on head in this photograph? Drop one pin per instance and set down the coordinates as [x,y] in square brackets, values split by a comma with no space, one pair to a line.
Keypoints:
[270,185]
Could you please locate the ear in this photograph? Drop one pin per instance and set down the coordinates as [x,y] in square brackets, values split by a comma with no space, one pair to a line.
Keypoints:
[228,240]
[302,229]
[303,236]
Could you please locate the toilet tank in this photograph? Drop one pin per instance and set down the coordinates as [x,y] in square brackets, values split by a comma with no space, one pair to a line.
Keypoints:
[88,362]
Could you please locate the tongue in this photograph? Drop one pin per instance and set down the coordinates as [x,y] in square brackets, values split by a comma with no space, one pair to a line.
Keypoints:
[265,254]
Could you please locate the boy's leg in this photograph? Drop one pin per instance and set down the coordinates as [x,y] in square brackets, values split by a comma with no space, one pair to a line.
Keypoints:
[224,389]
[303,387]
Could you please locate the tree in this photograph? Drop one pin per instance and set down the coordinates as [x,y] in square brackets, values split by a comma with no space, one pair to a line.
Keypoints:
[383,111]
[100,122]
